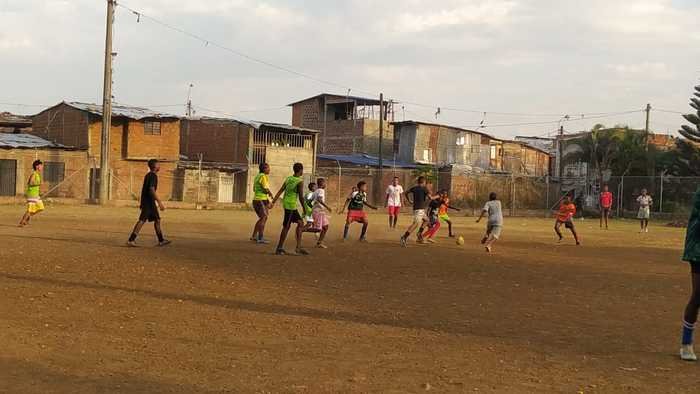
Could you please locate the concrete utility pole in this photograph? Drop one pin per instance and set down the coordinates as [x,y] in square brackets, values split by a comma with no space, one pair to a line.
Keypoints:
[378,191]
[106,108]
[646,127]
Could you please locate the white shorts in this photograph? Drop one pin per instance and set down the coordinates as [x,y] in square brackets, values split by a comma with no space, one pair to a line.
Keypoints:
[494,230]
[644,213]
[419,216]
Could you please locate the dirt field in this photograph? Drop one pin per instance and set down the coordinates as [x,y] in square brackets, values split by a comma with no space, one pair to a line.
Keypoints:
[81,313]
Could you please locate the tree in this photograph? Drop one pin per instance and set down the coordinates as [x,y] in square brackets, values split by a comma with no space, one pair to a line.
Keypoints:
[620,150]
[693,132]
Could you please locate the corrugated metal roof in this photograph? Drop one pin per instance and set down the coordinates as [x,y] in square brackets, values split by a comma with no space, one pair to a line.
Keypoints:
[366,160]
[340,99]
[258,125]
[25,141]
[136,113]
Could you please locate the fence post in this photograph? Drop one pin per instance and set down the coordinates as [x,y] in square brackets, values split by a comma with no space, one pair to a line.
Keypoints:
[661,193]
[199,181]
[546,207]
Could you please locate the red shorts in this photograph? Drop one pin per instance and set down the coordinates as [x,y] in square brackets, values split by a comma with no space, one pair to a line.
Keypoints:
[356,216]
[394,211]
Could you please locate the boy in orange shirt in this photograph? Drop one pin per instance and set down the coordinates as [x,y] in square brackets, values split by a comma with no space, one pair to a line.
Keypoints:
[565,216]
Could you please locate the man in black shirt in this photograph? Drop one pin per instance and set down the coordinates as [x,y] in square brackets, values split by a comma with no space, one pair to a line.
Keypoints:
[420,199]
[150,202]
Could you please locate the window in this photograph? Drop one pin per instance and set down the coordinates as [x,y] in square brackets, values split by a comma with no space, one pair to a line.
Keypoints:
[461,140]
[8,177]
[427,155]
[151,128]
[493,152]
[54,172]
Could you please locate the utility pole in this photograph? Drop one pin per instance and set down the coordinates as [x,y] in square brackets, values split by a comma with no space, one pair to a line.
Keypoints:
[106,108]
[381,142]
[646,128]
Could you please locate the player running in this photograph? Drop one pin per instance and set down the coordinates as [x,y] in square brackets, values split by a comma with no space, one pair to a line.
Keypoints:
[494,225]
[606,200]
[320,212]
[644,201]
[355,203]
[261,202]
[394,198]
[293,189]
[565,216]
[433,222]
[150,203]
[34,203]
[443,211]
[691,254]
[421,198]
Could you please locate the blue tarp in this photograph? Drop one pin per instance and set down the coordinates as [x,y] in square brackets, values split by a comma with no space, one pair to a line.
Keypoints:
[366,160]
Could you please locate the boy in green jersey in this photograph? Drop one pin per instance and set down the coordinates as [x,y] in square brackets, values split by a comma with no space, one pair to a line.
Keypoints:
[34,203]
[293,189]
[261,202]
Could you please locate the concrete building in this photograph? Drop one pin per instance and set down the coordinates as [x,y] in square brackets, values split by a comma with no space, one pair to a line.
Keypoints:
[136,135]
[442,145]
[348,124]
[64,167]
[231,151]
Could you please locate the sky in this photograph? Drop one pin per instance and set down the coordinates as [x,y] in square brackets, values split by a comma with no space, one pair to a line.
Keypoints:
[518,61]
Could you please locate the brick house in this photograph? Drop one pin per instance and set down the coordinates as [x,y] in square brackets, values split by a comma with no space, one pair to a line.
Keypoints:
[231,151]
[17,153]
[136,135]
[348,124]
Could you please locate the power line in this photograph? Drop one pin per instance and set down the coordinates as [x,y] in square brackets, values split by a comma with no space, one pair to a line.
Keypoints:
[208,42]
[668,111]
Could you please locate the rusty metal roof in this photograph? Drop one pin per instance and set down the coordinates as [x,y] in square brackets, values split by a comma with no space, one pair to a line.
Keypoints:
[25,141]
[135,113]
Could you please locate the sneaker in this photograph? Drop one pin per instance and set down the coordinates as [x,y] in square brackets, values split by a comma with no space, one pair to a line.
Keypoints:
[403,242]
[262,241]
[432,241]
[302,252]
[578,243]
[164,242]
[253,239]
[131,244]
[687,353]
[560,239]
[364,239]
[280,252]
[646,230]
[321,246]
[488,249]
[451,235]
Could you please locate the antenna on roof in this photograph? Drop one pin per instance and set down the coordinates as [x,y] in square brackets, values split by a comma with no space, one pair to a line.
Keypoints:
[190,111]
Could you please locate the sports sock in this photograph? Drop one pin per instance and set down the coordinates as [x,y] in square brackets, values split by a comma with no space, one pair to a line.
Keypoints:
[345,232]
[688,329]
[132,237]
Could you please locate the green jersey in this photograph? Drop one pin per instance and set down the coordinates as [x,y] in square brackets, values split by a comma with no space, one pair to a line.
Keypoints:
[260,184]
[33,185]
[691,252]
[291,192]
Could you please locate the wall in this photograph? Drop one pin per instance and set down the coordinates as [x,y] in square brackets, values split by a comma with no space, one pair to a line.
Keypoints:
[221,141]
[308,114]
[76,167]
[62,124]
[165,146]
[281,160]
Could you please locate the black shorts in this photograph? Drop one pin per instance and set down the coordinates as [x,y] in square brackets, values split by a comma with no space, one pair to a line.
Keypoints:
[606,210]
[291,216]
[568,224]
[694,267]
[260,208]
[149,214]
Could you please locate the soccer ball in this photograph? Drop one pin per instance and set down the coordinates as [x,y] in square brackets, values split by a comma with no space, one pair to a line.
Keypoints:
[460,240]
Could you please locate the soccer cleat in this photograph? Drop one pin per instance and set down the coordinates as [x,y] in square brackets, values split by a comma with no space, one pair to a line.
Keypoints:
[164,242]
[403,242]
[687,353]
[131,244]
[321,246]
[301,252]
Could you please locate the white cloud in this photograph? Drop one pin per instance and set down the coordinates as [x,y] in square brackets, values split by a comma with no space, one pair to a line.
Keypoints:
[647,70]
[489,13]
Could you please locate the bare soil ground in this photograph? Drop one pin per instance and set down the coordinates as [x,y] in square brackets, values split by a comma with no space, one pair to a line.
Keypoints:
[81,313]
